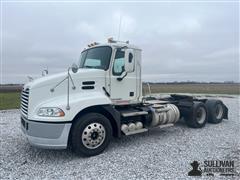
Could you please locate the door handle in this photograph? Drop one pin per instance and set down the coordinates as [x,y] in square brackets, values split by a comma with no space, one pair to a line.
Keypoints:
[122,77]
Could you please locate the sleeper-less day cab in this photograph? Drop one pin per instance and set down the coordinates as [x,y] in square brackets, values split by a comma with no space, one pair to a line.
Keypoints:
[101,97]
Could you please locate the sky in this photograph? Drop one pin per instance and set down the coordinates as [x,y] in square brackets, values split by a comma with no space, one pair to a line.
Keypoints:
[182,41]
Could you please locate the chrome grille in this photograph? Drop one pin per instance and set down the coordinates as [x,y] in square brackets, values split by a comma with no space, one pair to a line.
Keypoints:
[24,101]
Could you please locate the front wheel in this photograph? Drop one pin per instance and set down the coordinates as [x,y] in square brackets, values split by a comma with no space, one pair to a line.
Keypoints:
[91,134]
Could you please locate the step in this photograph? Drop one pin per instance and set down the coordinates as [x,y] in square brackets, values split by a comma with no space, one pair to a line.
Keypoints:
[134,113]
[165,125]
[136,131]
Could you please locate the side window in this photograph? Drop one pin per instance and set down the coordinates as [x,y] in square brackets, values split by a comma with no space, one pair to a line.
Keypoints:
[118,65]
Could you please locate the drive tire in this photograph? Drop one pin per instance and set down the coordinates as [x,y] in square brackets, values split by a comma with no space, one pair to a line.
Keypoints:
[81,134]
[215,111]
[198,117]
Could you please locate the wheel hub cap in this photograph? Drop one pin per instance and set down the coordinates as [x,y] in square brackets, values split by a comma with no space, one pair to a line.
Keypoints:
[93,135]
[201,115]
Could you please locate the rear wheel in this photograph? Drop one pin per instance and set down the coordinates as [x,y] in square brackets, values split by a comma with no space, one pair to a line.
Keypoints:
[215,111]
[91,134]
[198,118]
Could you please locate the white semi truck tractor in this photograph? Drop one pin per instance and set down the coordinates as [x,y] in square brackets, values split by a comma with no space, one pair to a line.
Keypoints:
[100,98]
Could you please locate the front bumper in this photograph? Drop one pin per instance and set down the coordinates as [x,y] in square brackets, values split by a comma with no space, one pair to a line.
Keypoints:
[46,135]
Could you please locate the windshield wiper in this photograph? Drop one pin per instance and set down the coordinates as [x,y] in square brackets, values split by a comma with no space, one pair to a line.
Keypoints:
[92,67]
[88,67]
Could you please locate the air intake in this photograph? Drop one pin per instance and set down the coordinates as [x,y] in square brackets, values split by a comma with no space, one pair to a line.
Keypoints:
[24,101]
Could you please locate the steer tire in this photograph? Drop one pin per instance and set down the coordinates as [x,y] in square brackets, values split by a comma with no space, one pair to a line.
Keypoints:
[215,111]
[198,117]
[91,134]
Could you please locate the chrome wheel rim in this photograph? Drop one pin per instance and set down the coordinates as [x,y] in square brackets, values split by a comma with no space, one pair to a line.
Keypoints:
[219,111]
[201,115]
[93,135]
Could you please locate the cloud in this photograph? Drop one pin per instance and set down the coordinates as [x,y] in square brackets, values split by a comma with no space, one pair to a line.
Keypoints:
[179,25]
[223,53]
[190,25]
[180,41]
[87,29]
[38,60]
[127,23]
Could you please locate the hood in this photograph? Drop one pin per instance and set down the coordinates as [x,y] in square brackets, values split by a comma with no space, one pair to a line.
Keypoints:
[56,78]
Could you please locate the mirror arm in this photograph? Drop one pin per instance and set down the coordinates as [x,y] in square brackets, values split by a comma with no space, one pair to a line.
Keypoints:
[73,85]
[121,78]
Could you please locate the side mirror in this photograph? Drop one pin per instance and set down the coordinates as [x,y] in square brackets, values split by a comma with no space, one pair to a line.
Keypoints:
[129,61]
[74,68]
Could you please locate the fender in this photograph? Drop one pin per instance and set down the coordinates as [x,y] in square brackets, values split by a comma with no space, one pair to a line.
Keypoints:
[116,118]
[109,112]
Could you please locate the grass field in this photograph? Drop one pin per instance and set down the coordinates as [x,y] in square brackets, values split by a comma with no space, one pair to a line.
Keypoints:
[232,89]
[9,100]
[10,97]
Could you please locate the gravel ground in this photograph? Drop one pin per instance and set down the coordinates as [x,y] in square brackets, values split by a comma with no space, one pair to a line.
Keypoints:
[158,154]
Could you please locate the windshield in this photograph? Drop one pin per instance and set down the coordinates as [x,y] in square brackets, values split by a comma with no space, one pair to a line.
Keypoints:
[97,58]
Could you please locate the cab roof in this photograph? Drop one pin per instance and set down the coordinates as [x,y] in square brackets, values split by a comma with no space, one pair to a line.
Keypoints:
[113,43]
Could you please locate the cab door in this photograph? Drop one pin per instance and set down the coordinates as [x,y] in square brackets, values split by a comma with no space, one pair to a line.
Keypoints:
[123,87]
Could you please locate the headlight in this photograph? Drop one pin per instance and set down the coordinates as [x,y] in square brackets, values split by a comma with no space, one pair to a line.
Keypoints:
[50,112]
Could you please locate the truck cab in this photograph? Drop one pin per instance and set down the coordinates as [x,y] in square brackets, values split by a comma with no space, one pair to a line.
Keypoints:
[121,63]
[100,97]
